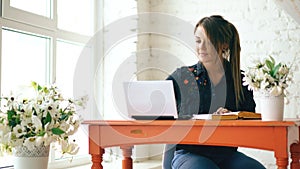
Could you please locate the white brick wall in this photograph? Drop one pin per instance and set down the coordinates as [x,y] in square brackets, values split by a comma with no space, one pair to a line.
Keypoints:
[263,26]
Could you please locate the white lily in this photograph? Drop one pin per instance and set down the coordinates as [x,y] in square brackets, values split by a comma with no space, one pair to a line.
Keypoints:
[283,70]
[19,131]
[37,123]
[276,91]
[70,148]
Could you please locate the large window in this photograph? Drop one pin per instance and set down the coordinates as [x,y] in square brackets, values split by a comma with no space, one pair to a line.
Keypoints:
[25,58]
[41,41]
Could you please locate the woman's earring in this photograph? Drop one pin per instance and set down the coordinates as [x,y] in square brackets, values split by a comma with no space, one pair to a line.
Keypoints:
[226,54]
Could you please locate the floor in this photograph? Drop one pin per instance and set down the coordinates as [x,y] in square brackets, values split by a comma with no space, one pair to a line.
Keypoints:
[149,164]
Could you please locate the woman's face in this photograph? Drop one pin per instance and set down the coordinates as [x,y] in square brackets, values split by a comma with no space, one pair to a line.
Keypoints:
[206,51]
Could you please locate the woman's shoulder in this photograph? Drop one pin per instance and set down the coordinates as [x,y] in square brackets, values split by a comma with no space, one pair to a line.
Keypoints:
[183,72]
[187,69]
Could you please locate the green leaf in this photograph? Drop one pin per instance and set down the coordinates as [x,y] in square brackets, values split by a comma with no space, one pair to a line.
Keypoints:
[41,133]
[275,70]
[48,118]
[39,87]
[29,134]
[65,116]
[18,119]
[57,131]
[11,114]
[13,118]
[270,64]
[272,59]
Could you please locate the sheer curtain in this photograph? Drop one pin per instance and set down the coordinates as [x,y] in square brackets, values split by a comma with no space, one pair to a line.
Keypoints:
[292,7]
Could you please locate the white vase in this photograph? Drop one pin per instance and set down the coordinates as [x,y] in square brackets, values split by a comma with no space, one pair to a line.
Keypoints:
[272,107]
[31,159]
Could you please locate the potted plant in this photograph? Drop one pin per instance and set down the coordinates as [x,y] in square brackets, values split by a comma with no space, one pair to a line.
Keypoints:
[270,79]
[29,124]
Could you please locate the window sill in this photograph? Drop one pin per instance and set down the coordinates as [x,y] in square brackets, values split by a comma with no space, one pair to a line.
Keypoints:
[69,163]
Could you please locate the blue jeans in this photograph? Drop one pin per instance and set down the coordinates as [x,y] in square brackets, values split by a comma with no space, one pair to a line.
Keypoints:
[186,160]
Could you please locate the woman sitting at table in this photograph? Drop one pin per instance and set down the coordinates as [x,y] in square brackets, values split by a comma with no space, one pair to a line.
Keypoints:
[213,85]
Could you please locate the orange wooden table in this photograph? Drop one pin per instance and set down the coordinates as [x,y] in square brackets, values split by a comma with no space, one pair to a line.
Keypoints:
[281,137]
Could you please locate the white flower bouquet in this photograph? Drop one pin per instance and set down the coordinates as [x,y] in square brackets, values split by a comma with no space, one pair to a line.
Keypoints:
[42,119]
[268,77]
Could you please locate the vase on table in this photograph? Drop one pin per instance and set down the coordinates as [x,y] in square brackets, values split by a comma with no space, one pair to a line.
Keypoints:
[36,158]
[272,107]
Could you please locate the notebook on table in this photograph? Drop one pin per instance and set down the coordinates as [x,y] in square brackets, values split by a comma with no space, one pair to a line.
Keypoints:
[239,115]
[150,100]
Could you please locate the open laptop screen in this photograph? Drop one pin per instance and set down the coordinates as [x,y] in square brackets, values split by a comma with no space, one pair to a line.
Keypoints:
[150,100]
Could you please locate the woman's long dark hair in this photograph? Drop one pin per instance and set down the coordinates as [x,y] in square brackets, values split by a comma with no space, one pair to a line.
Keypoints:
[221,32]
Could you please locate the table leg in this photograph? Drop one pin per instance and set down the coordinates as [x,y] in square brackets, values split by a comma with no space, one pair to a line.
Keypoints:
[97,160]
[281,163]
[295,155]
[127,160]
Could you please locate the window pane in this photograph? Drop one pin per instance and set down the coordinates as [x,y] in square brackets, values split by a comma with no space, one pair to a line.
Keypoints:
[23,60]
[40,7]
[67,55]
[76,16]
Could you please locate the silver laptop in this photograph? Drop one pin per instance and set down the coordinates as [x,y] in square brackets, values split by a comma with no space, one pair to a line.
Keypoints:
[150,100]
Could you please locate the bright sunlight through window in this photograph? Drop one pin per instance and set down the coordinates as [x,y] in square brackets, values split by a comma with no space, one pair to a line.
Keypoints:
[40,7]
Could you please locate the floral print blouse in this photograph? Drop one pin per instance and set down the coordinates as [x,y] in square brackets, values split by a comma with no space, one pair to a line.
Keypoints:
[195,94]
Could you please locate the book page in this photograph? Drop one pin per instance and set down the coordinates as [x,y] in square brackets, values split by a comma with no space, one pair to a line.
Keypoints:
[231,113]
[202,116]
[228,116]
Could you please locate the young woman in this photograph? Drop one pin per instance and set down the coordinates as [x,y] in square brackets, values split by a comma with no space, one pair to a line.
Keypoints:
[213,85]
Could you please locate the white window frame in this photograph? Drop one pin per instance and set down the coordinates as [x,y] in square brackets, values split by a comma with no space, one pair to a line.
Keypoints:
[14,18]
[25,17]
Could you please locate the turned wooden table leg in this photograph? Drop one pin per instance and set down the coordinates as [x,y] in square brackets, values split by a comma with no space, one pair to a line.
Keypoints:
[282,163]
[127,160]
[295,155]
[97,160]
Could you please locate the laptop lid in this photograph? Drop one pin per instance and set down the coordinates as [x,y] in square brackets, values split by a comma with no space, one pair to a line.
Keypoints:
[150,99]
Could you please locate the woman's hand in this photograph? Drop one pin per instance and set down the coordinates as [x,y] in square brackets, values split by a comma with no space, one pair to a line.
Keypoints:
[221,110]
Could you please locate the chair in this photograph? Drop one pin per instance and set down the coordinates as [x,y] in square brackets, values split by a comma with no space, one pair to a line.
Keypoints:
[168,155]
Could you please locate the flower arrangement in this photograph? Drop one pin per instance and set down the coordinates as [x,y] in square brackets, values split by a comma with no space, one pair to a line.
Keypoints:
[268,77]
[42,119]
